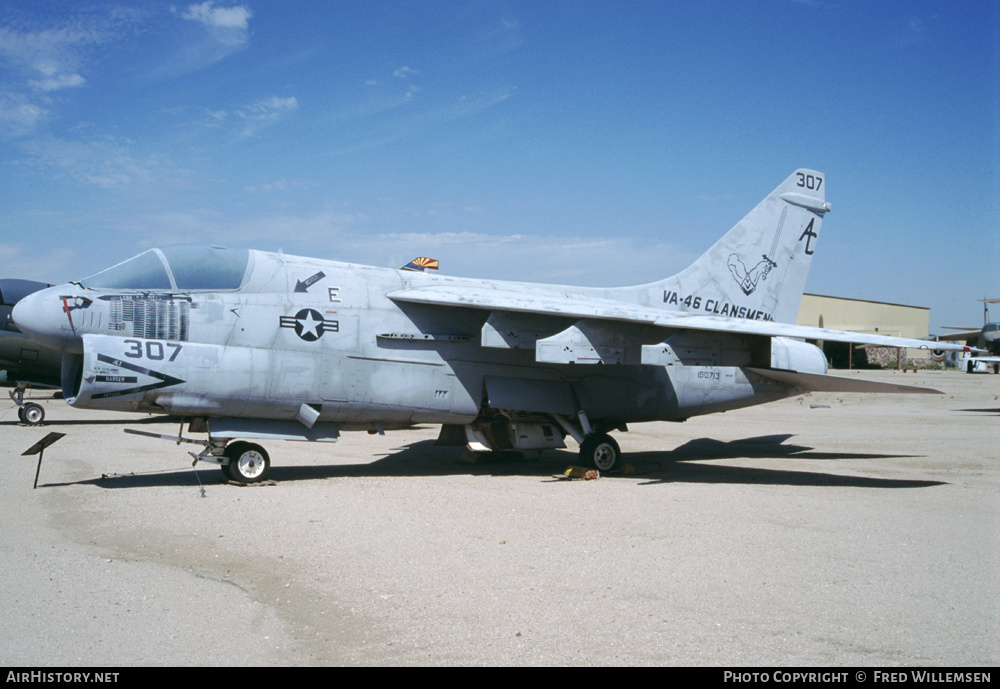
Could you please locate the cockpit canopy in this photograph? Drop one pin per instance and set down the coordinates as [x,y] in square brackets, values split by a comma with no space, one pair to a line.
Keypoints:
[176,268]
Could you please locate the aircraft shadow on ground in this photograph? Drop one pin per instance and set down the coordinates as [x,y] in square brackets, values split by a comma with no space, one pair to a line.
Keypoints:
[58,423]
[685,464]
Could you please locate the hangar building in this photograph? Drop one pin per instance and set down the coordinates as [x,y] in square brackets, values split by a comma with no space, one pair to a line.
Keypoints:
[861,316]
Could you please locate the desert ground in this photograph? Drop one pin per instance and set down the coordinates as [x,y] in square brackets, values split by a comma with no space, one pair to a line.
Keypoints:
[828,529]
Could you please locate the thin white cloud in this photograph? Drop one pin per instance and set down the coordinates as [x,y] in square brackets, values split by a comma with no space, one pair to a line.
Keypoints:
[107,162]
[404,72]
[269,107]
[470,105]
[249,120]
[18,115]
[48,53]
[58,51]
[58,82]
[502,37]
[264,112]
[38,60]
[281,185]
[218,32]
[236,17]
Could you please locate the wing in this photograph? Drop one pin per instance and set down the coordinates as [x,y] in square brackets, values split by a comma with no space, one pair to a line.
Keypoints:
[567,305]
[963,335]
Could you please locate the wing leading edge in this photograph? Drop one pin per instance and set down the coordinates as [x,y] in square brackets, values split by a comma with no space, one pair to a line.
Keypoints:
[570,306]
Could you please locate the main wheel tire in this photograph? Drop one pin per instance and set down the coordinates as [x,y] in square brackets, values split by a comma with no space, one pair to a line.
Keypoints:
[32,414]
[601,450]
[248,463]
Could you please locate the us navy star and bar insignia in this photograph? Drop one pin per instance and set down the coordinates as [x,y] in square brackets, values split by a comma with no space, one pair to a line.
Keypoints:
[309,324]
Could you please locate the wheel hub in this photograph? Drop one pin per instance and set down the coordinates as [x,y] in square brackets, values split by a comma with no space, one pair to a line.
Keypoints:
[250,464]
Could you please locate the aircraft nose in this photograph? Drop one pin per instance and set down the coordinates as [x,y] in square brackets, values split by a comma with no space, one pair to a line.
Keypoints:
[42,318]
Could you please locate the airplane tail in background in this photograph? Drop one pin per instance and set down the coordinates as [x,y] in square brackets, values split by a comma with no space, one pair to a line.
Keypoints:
[758,269]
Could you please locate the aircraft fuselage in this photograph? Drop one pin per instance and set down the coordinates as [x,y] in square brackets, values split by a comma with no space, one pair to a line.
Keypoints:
[343,348]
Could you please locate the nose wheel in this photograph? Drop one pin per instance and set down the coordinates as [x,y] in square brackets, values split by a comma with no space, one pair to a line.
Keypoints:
[31,414]
[28,413]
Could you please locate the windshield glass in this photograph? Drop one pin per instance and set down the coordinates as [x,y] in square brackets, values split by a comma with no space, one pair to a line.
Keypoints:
[144,271]
[176,268]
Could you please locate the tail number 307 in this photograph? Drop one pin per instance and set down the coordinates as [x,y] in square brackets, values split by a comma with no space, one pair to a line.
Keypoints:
[811,182]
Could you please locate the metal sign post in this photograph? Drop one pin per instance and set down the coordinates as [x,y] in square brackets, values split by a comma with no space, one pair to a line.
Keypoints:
[39,449]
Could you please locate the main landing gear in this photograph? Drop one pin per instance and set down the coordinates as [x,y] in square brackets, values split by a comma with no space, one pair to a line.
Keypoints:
[596,448]
[600,450]
[240,461]
[248,462]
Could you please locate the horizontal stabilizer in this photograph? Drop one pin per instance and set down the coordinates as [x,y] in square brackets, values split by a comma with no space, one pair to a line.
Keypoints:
[818,382]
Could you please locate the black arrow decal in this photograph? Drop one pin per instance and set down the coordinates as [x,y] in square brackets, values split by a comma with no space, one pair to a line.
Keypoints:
[301,286]
[165,380]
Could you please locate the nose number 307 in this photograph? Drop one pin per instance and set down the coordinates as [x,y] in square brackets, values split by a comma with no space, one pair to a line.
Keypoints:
[152,350]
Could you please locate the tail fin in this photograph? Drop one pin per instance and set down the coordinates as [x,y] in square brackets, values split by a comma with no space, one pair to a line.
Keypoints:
[758,269]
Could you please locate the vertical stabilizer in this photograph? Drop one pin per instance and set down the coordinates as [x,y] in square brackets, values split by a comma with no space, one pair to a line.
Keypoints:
[758,269]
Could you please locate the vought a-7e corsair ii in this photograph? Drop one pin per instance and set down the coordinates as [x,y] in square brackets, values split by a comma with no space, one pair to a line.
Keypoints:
[252,346]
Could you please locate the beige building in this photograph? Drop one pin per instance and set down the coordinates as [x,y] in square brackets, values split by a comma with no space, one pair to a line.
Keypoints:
[858,315]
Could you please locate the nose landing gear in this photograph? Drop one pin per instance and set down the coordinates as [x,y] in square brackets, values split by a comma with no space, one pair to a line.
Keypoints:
[28,413]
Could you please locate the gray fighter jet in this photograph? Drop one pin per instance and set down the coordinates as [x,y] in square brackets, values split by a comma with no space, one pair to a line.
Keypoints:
[986,338]
[251,345]
[24,363]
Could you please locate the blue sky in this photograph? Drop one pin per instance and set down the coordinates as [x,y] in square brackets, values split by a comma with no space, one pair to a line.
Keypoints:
[604,143]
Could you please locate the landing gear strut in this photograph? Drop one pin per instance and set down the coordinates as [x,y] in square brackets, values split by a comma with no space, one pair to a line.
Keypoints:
[240,461]
[596,448]
[27,412]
